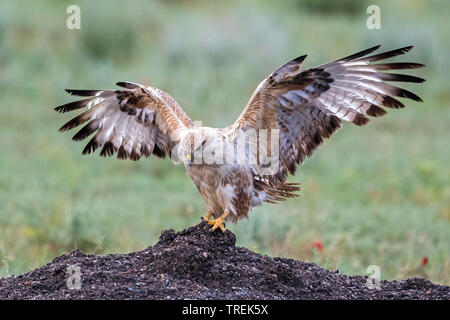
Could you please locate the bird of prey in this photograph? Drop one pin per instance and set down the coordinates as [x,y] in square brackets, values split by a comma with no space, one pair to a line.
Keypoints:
[290,113]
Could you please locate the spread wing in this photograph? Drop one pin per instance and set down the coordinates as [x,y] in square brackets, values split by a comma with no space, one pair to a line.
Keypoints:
[309,106]
[133,121]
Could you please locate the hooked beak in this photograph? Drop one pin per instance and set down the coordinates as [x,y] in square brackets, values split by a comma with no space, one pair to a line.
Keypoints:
[189,159]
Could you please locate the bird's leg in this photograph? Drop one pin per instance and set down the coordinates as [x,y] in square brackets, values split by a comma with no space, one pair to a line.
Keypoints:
[218,223]
[207,216]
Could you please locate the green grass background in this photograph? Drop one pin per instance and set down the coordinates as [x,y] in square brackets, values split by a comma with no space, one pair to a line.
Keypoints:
[377,195]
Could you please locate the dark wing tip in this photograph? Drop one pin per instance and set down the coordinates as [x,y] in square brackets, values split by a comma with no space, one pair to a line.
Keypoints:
[108,149]
[387,54]
[82,93]
[418,80]
[360,120]
[391,102]
[375,47]
[69,125]
[128,85]
[87,130]
[361,53]
[90,147]
[73,105]
[400,77]
[375,111]
[408,94]
[417,98]
[122,154]
[407,48]
[72,92]
[300,59]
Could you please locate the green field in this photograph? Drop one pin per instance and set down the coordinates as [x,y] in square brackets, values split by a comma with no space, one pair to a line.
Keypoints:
[378,195]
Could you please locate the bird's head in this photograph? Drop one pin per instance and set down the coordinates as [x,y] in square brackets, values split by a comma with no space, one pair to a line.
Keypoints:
[193,145]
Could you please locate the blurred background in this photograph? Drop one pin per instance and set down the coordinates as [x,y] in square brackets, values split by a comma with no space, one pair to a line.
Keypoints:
[379,195]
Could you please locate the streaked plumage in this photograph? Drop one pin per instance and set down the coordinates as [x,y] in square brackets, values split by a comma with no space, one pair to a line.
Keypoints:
[304,106]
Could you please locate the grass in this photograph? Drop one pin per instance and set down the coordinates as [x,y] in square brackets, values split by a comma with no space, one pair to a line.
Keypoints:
[372,196]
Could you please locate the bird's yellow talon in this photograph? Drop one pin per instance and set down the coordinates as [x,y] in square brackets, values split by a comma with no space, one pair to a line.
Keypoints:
[217,223]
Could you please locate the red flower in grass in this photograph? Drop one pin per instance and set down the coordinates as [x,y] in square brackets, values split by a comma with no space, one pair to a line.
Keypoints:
[424,261]
[318,245]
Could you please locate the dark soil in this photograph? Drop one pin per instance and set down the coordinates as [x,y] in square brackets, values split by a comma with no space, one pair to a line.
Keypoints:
[198,264]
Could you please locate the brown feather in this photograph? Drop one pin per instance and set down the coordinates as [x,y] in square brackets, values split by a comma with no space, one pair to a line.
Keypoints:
[387,54]
[375,111]
[73,105]
[148,111]
[301,104]
[108,149]
[360,54]
[84,93]
[87,130]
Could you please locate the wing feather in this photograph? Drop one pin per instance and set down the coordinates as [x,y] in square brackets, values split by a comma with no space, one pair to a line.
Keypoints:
[134,122]
[309,106]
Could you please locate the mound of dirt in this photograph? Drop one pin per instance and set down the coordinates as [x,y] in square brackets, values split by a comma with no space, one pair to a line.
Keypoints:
[198,264]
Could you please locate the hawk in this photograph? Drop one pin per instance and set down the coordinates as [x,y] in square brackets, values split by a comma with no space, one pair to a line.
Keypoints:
[300,107]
